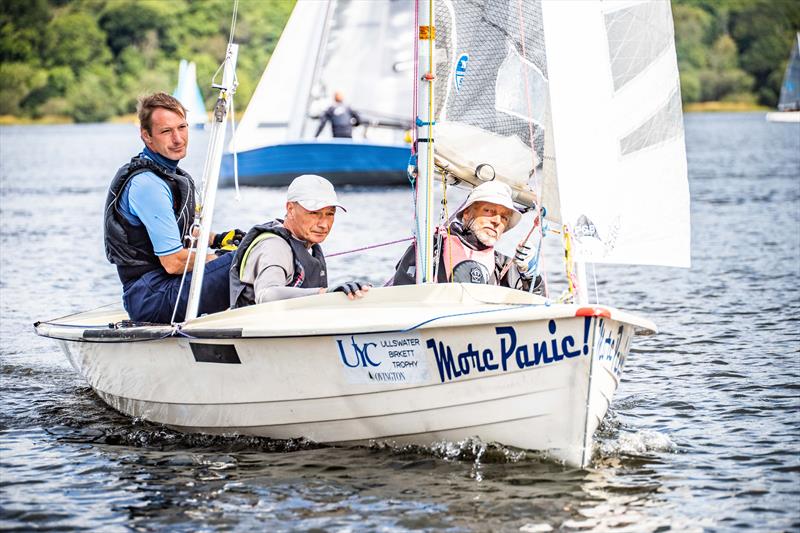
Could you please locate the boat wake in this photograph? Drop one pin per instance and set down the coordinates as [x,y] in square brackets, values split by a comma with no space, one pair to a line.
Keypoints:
[615,442]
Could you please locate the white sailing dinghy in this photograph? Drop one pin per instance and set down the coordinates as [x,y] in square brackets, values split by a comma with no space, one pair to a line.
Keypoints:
[789,100]
[430,362]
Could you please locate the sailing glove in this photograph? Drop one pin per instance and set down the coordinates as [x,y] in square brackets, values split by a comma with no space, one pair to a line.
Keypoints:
[524,260]
[349,288]
[228,240]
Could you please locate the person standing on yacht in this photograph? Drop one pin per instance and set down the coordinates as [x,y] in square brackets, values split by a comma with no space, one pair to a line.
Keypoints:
[150,209]
[341,116]
[282,259]
[467,253]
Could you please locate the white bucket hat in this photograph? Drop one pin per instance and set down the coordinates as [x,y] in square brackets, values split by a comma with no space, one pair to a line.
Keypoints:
[493,192]
[313,193]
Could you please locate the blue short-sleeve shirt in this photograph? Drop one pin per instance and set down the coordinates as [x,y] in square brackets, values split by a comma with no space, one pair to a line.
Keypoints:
[147,199]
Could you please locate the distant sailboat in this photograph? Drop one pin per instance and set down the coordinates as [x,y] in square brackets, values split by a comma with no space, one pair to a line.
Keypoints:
[361,49]
[188,92]
[789,102]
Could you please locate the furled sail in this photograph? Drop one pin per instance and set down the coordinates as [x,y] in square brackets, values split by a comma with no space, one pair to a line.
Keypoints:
[618,130]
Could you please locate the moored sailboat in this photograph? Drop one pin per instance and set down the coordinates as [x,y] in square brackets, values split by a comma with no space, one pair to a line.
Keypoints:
[789,100]
[188,93]
[422,363]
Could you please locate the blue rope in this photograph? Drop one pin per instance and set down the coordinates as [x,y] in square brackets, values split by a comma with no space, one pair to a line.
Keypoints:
[412,328]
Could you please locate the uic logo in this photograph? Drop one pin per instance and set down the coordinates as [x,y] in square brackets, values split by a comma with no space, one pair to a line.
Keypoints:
[361,354]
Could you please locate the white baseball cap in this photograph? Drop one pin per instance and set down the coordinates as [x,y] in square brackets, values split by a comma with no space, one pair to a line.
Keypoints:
[313,193]
[493,192]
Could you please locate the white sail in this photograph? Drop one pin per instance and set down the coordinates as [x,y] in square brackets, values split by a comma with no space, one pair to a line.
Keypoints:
[188,93]
[367,56]
[277,108]
[618,130]
[790,88]
[361,49]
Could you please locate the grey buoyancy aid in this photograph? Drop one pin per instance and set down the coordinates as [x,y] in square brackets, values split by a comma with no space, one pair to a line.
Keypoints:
[309,270]
[128,246]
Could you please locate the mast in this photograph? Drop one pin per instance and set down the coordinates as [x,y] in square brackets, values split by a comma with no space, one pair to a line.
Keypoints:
[303,107]
[216,145]
[425,145]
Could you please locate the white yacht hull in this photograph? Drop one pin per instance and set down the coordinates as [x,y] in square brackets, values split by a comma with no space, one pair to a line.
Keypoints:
[404,365]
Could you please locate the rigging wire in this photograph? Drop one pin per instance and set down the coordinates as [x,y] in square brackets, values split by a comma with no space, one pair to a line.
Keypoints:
[369,247]
[540,213]
[192,248]
[237,196]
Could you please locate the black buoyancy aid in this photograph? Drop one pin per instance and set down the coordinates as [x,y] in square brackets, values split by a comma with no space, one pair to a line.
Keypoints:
[128,246]
[309,270]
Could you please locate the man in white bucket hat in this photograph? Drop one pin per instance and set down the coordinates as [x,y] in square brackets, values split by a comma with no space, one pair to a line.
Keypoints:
[466,249]
[283,259]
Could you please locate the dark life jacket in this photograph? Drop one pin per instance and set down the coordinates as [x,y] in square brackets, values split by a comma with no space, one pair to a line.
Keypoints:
[309,271]
[128,246]
[406,267]
[342,119]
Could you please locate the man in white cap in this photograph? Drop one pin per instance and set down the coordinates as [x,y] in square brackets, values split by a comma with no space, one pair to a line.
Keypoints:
[283,259]
[466,249]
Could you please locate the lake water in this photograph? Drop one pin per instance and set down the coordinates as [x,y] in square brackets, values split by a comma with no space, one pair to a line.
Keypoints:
[704,434]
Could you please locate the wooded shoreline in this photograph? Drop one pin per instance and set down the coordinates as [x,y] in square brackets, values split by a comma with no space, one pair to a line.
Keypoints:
[88,60]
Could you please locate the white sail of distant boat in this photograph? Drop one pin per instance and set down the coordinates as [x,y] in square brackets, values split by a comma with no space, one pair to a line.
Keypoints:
[789,100]
[188,93]
[595,131]
[360,49]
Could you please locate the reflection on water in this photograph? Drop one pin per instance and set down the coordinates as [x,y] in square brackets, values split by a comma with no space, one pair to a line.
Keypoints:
[702,436]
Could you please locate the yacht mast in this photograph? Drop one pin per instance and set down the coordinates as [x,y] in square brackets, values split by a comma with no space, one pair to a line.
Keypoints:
[216,145]
[425,144]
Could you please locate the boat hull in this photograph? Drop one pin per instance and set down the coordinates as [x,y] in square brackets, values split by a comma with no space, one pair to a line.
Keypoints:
[783,116]
[528,376]
[343,162]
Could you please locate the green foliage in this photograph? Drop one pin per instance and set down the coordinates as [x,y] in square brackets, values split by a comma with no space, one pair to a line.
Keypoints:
[19,79]
[91,59]
[132,22]
[75,40]
[94,97]
[734,49]
[20,29]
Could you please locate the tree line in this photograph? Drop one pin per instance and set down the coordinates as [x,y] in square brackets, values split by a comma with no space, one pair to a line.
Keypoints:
[90,59]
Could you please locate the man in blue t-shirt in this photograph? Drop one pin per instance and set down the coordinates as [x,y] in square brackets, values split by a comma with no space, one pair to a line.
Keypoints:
[149,213]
